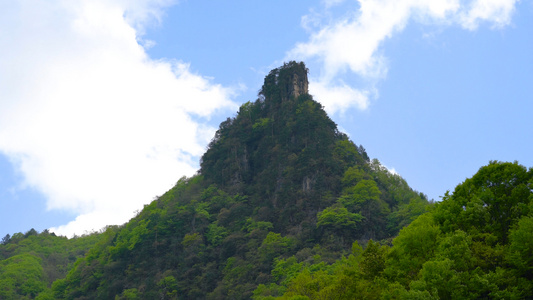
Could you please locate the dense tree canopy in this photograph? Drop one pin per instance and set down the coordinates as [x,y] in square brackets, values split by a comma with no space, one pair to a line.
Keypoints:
[275,209]
[31,262]
[464,248]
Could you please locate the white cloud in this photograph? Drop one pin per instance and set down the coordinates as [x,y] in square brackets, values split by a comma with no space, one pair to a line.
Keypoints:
[498,12]
[330,3]
[352,43]
[87,117]
[392,171]
[339,97]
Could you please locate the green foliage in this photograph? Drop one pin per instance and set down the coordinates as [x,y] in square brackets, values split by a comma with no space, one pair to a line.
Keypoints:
[435,258]
[262,123]
[286,269]
[414,246]
[264,292]
[274,245]
[520,253]
[339,219]
[373,260]
[260,225]
[128,238]
[128,294]
[489,202]
[353,175]
[46,295]
[406,213]
[168,288]
[274,210]
[215,234]
[357,197]
[32,261]
[439,278]
[21,275]
[286,207]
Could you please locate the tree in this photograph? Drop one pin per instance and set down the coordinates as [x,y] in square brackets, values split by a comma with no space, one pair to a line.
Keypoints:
[6,239]
[128,294]
[489,202]
[30,233]
[339,220]
[520,253]
[168,287]
[415,245]
[215,234]
[21,275]
[373,260]
[274,245]
[439,278]
[364,198]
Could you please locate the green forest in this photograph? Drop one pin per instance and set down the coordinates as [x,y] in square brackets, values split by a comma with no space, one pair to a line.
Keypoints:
[285,206]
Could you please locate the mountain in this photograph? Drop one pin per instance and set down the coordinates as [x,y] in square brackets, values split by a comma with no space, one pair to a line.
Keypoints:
[278,182]
[285,206]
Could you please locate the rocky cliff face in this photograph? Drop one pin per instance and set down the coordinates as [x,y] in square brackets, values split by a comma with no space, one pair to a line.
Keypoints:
[299,85]
[285,83]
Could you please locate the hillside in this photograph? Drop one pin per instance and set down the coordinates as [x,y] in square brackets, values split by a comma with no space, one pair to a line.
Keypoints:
[31,262]
[477,243]
[278,182]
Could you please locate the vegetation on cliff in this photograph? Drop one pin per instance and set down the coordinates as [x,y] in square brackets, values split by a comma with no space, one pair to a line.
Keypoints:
[474,244]
[286,206]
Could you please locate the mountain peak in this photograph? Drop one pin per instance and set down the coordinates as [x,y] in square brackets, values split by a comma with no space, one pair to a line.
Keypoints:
[267,135]
[282,151]
[286,82]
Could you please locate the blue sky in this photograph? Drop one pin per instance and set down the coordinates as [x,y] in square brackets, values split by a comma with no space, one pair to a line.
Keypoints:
[106,104]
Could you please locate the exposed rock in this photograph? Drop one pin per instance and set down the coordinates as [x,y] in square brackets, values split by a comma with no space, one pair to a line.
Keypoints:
[300,85]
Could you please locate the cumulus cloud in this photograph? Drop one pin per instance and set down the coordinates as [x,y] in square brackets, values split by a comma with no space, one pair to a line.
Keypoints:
[330,3]
[340,97]
[87,117]
[392,171]
[351,43]
[497,12]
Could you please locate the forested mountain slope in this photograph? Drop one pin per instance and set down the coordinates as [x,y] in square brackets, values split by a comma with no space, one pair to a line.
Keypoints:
[30,262]
[278,183]
[475,244]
